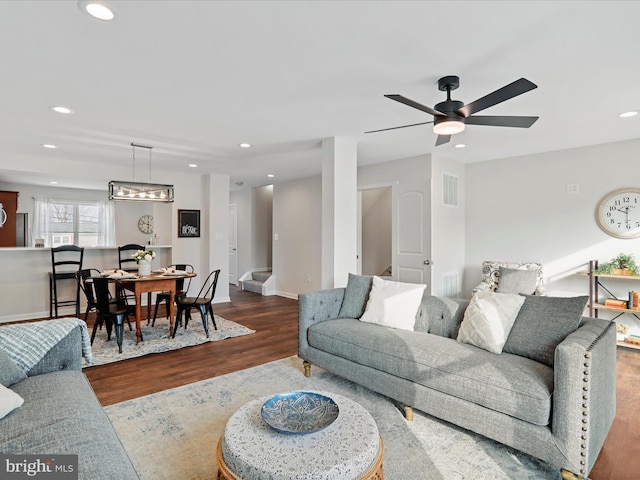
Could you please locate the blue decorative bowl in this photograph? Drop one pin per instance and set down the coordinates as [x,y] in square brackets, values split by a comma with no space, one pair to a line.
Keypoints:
[299,412]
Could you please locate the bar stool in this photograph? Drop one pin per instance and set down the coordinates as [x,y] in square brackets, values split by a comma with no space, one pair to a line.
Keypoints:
[66,262]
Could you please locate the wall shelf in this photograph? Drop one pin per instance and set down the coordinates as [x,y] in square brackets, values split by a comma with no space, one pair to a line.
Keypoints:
[596,283]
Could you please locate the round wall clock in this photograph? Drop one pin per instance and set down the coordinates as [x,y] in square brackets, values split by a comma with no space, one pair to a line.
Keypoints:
[145,224]
[618,213]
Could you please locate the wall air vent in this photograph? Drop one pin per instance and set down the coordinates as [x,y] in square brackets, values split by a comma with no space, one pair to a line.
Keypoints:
[449,190]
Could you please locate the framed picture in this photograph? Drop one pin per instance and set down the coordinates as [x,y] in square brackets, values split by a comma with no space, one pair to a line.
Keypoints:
[188,223]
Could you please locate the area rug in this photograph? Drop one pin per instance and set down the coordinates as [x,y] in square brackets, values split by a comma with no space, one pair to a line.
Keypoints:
[173,434]
[157,340]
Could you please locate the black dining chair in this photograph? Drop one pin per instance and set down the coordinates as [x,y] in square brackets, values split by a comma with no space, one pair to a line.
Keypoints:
[182,287]
[85,277]
[113,314]
[66,262]
[203,302]
[126,261]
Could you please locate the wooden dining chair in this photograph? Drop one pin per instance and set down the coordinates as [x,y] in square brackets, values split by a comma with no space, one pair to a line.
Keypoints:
[182,287]
[203,302]
[66,262]
[113,314]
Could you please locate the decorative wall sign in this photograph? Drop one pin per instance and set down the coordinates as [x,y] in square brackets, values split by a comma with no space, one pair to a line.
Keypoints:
[188,223]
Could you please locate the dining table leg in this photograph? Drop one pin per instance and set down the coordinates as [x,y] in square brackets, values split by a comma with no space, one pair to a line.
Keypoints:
[138,314]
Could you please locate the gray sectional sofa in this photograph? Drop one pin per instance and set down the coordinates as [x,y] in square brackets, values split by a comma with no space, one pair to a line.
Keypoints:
[560,413]
[60,413]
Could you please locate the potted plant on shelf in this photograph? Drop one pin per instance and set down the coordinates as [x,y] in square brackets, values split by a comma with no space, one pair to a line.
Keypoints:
[623,264]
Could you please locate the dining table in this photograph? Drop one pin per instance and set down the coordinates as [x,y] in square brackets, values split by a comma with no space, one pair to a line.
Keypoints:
[156,282]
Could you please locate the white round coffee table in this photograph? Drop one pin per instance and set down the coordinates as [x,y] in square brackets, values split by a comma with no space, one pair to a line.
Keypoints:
[349,448]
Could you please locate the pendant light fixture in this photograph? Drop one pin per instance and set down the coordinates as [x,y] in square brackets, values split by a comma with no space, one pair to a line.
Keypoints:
[137,191]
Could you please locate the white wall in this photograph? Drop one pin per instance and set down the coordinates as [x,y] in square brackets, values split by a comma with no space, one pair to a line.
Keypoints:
[447,225]
[518,209]
[297,221]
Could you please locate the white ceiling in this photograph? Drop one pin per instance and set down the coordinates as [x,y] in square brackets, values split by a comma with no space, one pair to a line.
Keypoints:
[194,79]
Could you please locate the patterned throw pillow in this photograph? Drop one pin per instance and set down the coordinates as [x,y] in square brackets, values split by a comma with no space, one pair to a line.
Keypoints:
[488,320]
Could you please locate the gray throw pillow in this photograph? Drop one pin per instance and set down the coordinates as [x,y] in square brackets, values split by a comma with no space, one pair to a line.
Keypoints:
[517,281]
[355,296]
[10,373]
[541,324]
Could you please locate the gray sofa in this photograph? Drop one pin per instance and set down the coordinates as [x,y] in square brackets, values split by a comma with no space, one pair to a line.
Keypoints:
[60,413]
[560,414]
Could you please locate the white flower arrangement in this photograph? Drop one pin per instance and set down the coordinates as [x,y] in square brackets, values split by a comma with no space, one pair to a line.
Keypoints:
[147,255]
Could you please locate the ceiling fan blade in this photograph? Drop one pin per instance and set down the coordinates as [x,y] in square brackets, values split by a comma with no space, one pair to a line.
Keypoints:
[502,94]
[442,139]
[394,128]
[411,103]
[498,121]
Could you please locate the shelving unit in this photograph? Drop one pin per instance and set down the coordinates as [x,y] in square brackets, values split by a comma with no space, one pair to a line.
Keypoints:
[596,283]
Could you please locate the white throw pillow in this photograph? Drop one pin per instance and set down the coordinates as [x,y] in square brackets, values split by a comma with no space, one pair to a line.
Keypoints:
[393,304]
[9,401]
[488,320]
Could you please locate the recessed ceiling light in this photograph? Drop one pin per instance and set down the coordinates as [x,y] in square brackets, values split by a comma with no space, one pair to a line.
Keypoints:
[459,145]
[270,175]
[192,165]
[61,109]
[53,182]
[97,9]
[245,145]
[628,114]
[48,145]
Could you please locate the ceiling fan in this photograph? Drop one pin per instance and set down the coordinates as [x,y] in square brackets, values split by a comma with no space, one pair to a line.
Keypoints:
[451,116]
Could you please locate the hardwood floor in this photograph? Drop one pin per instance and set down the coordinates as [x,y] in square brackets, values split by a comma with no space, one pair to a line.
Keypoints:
[275,320]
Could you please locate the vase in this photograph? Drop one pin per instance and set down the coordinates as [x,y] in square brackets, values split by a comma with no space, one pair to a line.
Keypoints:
[621,337]
[144,268]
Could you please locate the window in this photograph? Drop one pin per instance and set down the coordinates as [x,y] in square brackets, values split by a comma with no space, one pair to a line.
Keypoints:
[82,223]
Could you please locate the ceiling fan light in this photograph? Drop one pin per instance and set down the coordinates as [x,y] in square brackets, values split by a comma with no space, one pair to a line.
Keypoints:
[448,127]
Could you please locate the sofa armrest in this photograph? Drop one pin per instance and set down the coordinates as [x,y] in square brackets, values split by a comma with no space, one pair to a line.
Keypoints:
[64,355]
[46,346]
[315,307]
[584,399]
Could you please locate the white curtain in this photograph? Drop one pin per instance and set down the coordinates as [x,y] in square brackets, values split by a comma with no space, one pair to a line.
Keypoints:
[44,209]
[41,209]
[106,224]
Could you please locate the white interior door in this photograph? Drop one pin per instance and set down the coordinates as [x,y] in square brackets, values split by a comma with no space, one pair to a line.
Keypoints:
[233,244]
[412,233]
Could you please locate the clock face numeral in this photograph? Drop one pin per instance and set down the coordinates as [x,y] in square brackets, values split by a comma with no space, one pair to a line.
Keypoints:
[618,214]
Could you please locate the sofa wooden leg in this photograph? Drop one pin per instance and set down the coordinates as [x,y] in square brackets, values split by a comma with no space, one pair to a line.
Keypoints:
[307,368]
[408,413]
[567,475]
